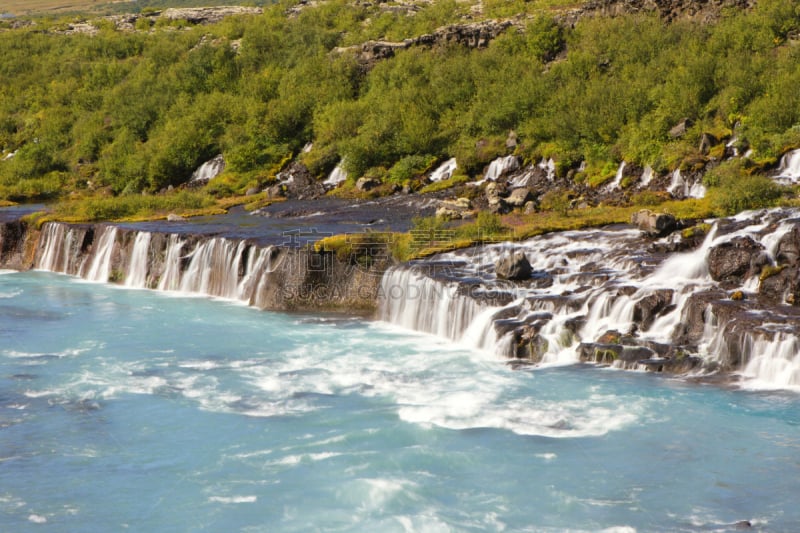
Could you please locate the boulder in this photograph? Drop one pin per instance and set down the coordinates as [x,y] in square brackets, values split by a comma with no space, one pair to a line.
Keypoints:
[736,260]
[367,184]
[530,207]
[454,209]
[780,284]
[275,191]
[680,129]
[651,306]
[513,266]
[654,224]
[788,251]
[519,197]
[252,191]
[172,217]
[707,142]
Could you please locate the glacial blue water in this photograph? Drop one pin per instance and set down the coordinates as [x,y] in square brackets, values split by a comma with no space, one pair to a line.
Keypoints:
[129,410]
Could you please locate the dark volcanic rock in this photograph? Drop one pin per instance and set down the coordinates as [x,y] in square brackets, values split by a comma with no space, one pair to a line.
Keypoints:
[736,260]
[298,182]
[788,251]
[651,306]
[513,266]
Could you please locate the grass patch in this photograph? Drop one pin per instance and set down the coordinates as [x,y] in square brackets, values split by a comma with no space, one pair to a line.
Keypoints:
[135,207]
[437,186]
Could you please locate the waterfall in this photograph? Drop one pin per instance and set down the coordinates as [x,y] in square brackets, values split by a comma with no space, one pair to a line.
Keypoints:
[418,302]
[214,269]
[549,166]
[171,277]
[679,186]
[444,171]
[647,176]
[789,169]
[499,167]
[618,177]
[139,263]
[774,363]
[53,258]
[337,176]
[225,268]
[100,268]
[209,170]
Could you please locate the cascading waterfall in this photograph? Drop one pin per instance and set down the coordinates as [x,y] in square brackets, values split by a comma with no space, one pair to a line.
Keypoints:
[53,258]
[418,302]
[774,363]
[137,270]
[617,177]
[444,171]
[100,267]
[598,285]
[219,267]
[789,170]
[214,269]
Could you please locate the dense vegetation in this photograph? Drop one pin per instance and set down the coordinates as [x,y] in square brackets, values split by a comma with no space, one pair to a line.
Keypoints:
[121,113]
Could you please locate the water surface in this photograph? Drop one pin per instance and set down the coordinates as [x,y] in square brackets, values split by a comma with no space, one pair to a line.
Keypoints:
[126,409]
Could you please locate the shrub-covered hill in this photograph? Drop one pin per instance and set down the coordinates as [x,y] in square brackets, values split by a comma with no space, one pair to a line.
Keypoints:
[129,108]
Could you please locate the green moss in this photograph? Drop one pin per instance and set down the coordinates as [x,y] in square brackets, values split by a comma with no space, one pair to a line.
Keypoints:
[456,179]
[768,271]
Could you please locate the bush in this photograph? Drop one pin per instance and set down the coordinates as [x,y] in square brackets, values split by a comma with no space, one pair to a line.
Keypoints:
[746,192]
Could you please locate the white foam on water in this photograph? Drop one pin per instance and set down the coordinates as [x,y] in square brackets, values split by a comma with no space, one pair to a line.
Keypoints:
[233,499]
[37,519]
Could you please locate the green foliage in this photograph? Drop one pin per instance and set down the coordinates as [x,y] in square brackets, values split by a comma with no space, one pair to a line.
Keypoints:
[139,111]
[410,167]
[124,207]
[746,192]
[556,200]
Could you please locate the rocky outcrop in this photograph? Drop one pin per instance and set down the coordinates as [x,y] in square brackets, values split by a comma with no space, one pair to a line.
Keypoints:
[208,15]
[736,260]
[513,266]
[296,182]
[474,35]
[669,10]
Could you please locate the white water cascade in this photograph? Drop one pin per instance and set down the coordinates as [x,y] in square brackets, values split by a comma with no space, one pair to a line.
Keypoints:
[789,169]
[499,167]
[337,176]
[647,176]
[137,269]
[219,267]
[601,282]
[209,170]
[100,268]
[617,177]
[444,171]
[680,186]
[774,364]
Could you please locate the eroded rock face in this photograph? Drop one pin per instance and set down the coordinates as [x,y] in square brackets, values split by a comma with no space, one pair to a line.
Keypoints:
[513,266]
[735,260]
